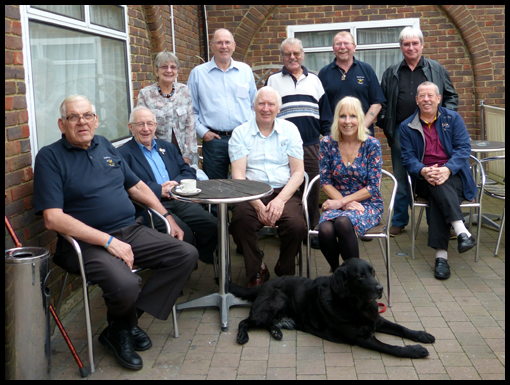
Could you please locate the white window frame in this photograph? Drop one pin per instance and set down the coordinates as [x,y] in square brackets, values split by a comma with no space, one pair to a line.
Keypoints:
[28,13]
[353,27]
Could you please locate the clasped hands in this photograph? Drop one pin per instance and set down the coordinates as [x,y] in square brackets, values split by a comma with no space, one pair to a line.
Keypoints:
[268,215]
[435,175]
[338,204]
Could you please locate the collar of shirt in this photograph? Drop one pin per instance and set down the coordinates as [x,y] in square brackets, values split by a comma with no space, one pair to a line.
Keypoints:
[68,146]
[286,72]
[143,148]
[354,62]
[213,65]
[254,129]
[421,63]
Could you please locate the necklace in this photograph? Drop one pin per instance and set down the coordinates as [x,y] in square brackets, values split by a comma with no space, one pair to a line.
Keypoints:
[344,74]
[350,155]
[166,95]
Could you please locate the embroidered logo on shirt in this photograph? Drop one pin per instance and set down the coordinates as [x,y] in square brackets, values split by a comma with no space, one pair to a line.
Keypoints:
[109,161]
[361,80]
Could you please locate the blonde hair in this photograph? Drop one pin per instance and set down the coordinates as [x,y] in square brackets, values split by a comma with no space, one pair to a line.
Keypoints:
[350,105]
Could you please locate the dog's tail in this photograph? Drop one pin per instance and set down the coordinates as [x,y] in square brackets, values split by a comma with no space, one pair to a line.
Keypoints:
[248,294]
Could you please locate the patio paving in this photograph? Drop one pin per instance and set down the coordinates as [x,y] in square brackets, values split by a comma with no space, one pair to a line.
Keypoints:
[465,313]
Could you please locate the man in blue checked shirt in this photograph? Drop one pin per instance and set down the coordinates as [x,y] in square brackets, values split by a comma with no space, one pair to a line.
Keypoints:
[222,92]
[270,150]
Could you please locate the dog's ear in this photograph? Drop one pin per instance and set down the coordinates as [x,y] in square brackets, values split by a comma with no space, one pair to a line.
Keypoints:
[339,282]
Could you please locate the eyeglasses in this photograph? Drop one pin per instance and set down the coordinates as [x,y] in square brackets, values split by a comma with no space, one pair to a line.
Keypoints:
[347,45]
[220,43]
[88,117]
[287,55]
[165,68]
[142,124]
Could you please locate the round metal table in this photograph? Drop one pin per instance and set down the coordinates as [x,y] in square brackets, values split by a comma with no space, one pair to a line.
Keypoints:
[222,192]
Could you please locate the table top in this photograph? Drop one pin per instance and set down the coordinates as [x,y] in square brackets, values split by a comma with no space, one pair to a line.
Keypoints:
[486,146]
[226,191]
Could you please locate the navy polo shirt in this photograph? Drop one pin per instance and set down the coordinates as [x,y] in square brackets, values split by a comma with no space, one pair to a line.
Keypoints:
[360,82]
[90,185]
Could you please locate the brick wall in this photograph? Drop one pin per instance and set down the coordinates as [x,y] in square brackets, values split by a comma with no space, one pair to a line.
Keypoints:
[467,40]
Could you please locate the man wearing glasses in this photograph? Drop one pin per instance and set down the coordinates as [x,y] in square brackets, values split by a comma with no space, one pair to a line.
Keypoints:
[222,91]
[83,187]
[347,76]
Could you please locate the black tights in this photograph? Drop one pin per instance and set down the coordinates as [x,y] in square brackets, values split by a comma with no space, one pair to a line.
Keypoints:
[346,245]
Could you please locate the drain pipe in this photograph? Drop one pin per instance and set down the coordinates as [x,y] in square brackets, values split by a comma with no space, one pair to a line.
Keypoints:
[206,33]
[173,28]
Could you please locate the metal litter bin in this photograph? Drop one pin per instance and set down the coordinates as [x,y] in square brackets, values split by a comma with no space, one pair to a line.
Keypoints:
[27,315]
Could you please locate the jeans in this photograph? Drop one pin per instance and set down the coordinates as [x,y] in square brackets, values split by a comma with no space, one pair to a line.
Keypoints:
[403,198]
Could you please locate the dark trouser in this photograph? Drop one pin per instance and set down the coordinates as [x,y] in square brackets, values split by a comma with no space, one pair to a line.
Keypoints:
[291,231]
[171,259]
[200,227]
[216,159]
[311,160]
[444,203]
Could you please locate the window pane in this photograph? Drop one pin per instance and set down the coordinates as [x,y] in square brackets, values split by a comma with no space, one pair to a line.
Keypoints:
[67,62]
[317,38]
[109,16]
[314,61]
[74,11]
[380,59]
[379,35]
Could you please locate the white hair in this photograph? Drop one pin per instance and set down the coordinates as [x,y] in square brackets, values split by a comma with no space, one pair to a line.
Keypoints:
[139,108]
[410,33]
[74,98]
[271,89]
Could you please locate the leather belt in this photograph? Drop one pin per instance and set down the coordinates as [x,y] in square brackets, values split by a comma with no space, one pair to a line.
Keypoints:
[224,133]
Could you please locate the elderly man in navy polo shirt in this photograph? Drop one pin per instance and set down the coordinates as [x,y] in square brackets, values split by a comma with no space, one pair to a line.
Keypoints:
[82,187]
[347,76]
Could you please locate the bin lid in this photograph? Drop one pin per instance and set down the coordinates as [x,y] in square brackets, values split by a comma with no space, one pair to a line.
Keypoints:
[22,255]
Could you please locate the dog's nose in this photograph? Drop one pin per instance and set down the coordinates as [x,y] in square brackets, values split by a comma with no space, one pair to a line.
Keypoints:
[379,289]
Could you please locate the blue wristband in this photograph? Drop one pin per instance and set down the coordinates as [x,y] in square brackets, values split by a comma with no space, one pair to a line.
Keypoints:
[109,241]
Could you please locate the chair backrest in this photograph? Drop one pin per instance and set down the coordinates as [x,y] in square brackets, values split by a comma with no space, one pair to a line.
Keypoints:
[495,190]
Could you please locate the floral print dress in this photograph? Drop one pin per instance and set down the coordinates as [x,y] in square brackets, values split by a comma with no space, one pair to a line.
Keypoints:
[364,172]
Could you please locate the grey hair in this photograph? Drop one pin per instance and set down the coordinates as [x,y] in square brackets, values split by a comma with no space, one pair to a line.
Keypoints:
[291,40]
[165,57]
[410,33]
[138,108]
[267,88]
[74,98]
[426,84]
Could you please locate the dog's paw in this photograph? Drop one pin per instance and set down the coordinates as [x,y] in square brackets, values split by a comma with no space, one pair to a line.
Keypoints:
[424,337]
[242,337]
[415,351]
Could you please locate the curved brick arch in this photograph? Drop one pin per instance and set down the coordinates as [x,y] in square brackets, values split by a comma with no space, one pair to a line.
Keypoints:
[473,37]
[248,28]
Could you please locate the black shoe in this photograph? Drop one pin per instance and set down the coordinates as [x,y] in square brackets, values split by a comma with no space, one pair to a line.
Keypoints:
[442,269]
[141,340]
[119,339]
[465,243]
[314,243]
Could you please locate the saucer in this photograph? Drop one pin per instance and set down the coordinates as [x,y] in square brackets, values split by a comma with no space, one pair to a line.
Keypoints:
[179,191]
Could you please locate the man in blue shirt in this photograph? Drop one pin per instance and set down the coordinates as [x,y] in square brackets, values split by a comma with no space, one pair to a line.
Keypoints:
[270,150]
[347,76]
[222,92]
[158,163]
[82,187]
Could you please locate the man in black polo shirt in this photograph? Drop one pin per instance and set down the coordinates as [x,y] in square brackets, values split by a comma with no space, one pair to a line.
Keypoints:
[347,76]
[82,187]
[399,83]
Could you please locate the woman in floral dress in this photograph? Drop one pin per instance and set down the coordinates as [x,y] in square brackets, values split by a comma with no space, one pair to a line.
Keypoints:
[171,103]
[350,168]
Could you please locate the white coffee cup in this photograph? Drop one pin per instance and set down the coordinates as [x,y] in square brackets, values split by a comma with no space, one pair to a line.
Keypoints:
[188,185]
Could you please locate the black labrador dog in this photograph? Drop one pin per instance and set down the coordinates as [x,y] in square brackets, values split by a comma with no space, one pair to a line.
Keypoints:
[339,308]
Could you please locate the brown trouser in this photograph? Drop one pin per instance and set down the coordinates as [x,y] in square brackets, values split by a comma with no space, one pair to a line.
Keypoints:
[291,231]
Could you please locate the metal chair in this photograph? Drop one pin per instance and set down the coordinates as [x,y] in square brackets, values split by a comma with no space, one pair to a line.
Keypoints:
[268,230]
[416,201]
[496,191]
[85,285]
[379,232]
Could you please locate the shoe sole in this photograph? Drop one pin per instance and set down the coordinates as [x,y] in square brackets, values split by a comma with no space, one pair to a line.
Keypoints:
[104,341]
